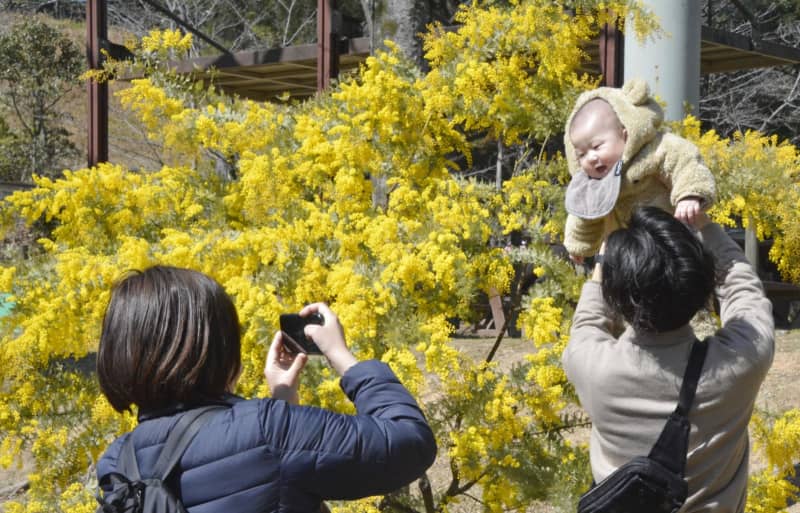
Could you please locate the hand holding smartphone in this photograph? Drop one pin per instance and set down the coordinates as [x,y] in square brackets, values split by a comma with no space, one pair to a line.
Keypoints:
[293,330]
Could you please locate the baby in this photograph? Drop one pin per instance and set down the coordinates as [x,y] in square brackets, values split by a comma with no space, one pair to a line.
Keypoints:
[620,157]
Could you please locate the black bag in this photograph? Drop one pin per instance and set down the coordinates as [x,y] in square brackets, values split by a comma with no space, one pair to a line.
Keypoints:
[132,494]
[653,483]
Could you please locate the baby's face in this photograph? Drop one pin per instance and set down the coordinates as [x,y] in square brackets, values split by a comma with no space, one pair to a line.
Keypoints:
[599,141]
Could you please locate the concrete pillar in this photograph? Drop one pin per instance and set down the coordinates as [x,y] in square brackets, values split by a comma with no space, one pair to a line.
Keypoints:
[671,63]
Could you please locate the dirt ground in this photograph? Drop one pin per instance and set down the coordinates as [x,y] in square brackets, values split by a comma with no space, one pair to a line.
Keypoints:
[781,391]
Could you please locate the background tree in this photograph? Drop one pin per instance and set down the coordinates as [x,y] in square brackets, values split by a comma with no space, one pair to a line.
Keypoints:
[763,99]
[10,159]
[235,25]
[400,21]
[253,24]
[38,67]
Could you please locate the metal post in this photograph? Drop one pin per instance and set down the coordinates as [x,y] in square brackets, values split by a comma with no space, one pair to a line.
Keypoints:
[670,64]
[327,49]
[496,306]
[96,34]
[498,179]
[751,243]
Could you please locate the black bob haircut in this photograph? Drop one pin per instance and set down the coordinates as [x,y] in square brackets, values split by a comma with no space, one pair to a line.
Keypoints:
[656,273]
[169,336]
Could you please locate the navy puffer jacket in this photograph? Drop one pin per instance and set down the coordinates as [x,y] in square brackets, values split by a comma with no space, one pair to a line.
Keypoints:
[265,455]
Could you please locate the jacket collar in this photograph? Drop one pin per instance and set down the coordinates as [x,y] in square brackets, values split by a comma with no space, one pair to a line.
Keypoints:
[226,400]
[665,338]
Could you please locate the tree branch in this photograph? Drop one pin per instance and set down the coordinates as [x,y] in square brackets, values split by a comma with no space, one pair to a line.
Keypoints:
[786,103]
[20,117]
[427,493]
[300,28]
[453,486]
[390,502]
[462,489]
[366,8]
[755,27]
[12,490]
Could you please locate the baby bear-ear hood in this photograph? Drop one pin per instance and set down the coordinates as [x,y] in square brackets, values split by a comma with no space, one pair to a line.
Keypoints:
[638,112]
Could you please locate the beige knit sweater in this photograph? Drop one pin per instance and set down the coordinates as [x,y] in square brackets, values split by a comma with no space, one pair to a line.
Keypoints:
[629,385]
[659,168]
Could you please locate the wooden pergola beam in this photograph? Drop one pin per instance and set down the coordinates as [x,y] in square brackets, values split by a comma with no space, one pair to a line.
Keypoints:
[723,51]
[611,50]
[301,70]
[96,36]
[327,49]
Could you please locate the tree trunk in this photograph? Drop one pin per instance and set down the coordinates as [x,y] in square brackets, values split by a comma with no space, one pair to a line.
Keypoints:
[399,21]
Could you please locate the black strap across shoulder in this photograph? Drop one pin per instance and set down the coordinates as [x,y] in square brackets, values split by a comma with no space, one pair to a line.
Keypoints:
[178,440]
[673,443]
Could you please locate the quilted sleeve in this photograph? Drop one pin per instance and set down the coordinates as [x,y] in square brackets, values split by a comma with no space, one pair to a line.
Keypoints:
[385,446]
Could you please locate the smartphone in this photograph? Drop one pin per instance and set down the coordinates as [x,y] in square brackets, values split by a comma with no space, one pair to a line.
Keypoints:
[294,339]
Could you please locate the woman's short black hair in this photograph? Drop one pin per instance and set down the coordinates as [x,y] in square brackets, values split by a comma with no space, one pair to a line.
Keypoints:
[656,273]
[169,336]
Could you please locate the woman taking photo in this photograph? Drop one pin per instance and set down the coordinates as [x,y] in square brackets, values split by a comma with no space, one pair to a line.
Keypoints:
[170,344]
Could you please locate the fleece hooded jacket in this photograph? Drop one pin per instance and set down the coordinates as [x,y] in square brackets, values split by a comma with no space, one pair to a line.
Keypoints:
[630,385]
[658,168]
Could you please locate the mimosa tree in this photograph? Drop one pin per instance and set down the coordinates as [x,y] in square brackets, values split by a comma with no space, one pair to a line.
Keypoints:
[295,221]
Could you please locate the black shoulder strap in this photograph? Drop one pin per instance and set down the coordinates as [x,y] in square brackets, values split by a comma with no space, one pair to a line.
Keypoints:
[692,377]
[673,443]
[127,465]
[178,440]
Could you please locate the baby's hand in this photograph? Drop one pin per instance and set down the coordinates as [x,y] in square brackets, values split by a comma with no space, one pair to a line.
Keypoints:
[576,259]
[687,210]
